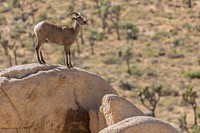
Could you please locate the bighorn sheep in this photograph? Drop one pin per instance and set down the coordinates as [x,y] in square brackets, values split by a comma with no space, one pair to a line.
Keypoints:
[46,32]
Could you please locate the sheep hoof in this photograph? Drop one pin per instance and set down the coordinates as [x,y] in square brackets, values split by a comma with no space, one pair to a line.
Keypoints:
[69,66]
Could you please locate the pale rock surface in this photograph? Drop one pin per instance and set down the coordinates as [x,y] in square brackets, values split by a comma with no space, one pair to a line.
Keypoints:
[116,108]
[140,124]
[113,109]
[38,98]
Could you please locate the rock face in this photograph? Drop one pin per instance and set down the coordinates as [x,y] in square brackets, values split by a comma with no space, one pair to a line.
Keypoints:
[140,124]
[49,99]
[116,108]
[54,99]
[113,109]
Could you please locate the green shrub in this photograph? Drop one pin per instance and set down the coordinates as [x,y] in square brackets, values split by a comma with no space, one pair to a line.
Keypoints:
[30,45]
[192,74]
[174,32]
[170,92]
[94,35]
[195,129]
[126,85]
[110,80]
[110,59]
[176,42]
[160,36]
[42,16]
[61,60]
[136,71]
[2,19]
[150,52]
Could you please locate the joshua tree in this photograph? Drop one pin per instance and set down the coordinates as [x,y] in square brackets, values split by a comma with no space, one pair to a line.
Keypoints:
[150,96]
[127,57]
[6,46]
[93,37]
[190,3]
[183,122]
[190,97]
[92,41]
[81,36]
[115,17]
[14,49]
[103,11]
[78,47]
[131,32]
[104,14]
[20,5]
[98,7]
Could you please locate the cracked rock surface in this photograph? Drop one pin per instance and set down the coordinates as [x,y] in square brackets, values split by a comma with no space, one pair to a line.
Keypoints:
[39,98]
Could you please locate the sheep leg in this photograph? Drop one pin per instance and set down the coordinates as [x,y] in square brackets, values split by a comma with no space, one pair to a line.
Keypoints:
[70,64]
[42,59]
[37,49]
[66,55]
[41,56]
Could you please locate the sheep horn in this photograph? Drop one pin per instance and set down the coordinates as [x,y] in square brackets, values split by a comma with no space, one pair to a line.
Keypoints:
[71,13]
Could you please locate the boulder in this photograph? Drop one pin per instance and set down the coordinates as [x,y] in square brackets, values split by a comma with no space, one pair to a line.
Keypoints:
[49,99]
[140,124]
[113,109]
[116,108]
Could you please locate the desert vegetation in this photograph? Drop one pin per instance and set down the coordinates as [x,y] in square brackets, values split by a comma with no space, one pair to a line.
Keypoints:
[148,50]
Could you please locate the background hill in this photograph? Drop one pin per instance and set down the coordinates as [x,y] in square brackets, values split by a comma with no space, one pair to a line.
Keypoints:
[136,44]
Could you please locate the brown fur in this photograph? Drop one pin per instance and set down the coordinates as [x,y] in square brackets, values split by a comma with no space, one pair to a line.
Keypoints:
[61,35]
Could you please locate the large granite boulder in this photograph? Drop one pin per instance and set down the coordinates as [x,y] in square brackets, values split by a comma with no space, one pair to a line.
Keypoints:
[140,124]
[114,108]
[38,98]
[49,99]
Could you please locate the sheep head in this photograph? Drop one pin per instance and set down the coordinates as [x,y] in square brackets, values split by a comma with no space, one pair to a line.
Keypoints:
[78,17]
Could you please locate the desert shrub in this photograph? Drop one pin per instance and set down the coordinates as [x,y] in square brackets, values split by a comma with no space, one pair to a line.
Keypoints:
[2,19]
[169,15]
[150,52]
[159,36]
[135,71]
[188,26]
[190,97]
[126,85]
[98,36]
[110,59]
[183,123]
[174,32]
[177,42]
[195,129]
[110,80]
[132,31]
[192,74]
[180,41]
[42,16]
[29,45]
[169,92]
[24,62]
[150,96]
